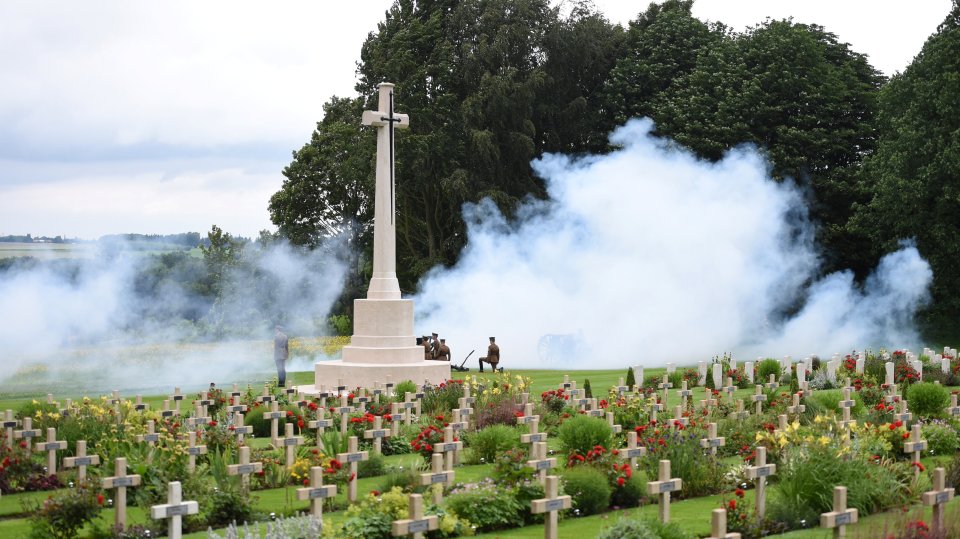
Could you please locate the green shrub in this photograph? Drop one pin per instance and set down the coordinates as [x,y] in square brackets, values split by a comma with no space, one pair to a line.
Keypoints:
[407,479]
[829,400]
[630,493]
[221,507]
[589,489]
[581,433]
[587,390]
[487,444]
[630,380]
[767,367]
[261,426]
[372,467]
[403,388]
[941,439]
[487,506]
[702,475]
[62,516]
[927,399]
[643,529]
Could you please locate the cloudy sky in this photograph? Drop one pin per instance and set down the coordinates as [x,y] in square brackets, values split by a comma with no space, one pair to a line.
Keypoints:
[170,117]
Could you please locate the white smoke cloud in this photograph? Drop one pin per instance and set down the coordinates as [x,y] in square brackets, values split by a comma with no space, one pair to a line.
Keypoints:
[91,319]
[648,255]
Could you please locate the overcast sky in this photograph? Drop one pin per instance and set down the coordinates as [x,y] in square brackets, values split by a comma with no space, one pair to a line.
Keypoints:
[165,117]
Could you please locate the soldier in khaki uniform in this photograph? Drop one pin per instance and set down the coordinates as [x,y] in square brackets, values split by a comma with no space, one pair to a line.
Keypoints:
[443,351]
[427,348]
[493,356]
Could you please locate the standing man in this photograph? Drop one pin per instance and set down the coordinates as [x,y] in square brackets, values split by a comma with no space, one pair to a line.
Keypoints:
[493,355]
[281,351]
[427,348]
[443,353]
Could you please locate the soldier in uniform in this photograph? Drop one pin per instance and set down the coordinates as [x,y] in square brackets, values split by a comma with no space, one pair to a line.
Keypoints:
[427,348]
[443,352]
[493,355]
[281,351]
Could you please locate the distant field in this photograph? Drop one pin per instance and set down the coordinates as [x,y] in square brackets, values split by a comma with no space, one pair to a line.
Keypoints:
[80,250]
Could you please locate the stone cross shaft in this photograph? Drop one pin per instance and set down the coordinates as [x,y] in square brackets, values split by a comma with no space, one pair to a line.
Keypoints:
[352,456]
[436,478]
[9,423]
[632,452]
[759,398]
[239,429]
[193,450]
[539,461]
[384,284]
[81,460]
[417,523]
[840,516]
[938,498]
[684,394]
[551,503]
[663,487]
[174,510]
[718,526]
[616,429]
[796,408]
[120,481]
[245,467]
[316,492]
[449,447]
[759,472]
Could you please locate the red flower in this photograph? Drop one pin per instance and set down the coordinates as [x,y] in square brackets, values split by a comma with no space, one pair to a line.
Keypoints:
[99,499]
[352,477]
[289,413]
[212,423]
[732,505]
[620,481]
[739,493]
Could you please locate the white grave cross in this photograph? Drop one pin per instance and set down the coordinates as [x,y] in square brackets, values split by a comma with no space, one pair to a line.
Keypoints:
[552,503]
[840,516]
[663,487]
[174,510]
[316,492]
[120,481]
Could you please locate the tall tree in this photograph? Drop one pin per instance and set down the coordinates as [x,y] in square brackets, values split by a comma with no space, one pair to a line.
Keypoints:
[916,168]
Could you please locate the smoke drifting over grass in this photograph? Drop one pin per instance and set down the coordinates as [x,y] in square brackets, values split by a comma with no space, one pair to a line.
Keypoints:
[648,255]
[115,321]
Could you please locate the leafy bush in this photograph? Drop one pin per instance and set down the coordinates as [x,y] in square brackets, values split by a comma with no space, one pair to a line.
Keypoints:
[403,388]
[702,475]
[261,426]
[589,489]
[941,439]
[630,380]
[487,506]
[643,529]
[767,367]
[374,465]
[501,412]
[829,400]
[927,399]
[629,494]
[487,444]
[582,433]
[62,516]
[221,507]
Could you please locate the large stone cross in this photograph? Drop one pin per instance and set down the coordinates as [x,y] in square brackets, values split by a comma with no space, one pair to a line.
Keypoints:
[384,284]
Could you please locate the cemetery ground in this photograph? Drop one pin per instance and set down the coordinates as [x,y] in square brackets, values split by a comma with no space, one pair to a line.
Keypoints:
[814,449]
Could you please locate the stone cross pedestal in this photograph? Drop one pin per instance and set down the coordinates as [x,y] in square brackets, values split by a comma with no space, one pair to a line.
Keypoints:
[51,446]
[316,492]
[352,456]
[120,481]
[437,477]
[81,461]
[840,516]
[712,440]
[718,526]
[551,503]
[245,467]
[938,498]
[174,510]
[417,523]
[759,472]
[663,487]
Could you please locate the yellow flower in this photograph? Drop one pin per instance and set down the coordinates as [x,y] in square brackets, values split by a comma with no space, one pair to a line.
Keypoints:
[818,419]
[823,440]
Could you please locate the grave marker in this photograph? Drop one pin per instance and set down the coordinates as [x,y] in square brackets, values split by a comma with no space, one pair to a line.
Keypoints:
[193,450]
[120,481]
[759,472]
[274,415]
[551,503]
[632,452]
[953,409]
[663,487]
[712,440]
[615,428]
[174,510]
[772,384]
[245,467]
[729,389]
[678,418]
[316,492]
[51,446]
[684,394]
[27,433]
[759,398]
[938,497]
[449,446]
[265,397]
[436,478]
[904,414]
[527,416]
[377,433]
[290,443]
[840,516]
[539,461]
[718,526]
[81,461]
[417,523]
[665,386]
[352,456]
[239,429]
[9,423]
[915,445]
[796,408]
[740,413]
[139,405]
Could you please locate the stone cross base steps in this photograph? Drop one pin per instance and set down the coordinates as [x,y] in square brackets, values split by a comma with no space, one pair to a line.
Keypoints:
[363,374]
